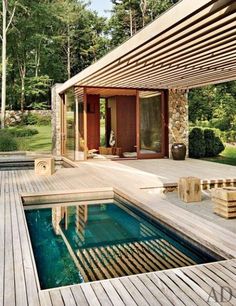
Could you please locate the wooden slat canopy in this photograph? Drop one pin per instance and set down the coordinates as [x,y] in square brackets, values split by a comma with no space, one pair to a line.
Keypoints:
[190,45]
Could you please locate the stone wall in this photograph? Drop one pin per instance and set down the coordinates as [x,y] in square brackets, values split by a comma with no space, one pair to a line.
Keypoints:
[178,118]
[14,117]
[56,120]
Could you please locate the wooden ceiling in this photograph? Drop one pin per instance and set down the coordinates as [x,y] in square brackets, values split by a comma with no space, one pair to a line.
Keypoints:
[191,45]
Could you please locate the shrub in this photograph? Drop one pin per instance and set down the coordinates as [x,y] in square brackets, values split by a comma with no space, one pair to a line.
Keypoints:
[204,143]
[196,143]
[22,132]
[36,119]
[44,120]
[213,143]
[221,124]
[7,142]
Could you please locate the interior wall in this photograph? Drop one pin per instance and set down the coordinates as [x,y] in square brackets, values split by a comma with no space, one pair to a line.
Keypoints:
[123,121]
[93,121]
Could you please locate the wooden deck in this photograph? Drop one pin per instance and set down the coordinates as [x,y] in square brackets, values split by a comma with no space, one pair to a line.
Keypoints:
[181,286]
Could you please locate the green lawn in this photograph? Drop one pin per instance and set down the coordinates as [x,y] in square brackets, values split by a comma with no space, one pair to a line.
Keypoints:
[228,156]
[39,142]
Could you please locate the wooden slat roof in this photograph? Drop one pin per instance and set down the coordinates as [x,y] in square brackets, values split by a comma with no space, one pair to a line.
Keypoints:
[190,45]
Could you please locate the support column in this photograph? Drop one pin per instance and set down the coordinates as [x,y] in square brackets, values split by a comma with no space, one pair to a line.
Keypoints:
[178,117]
[56,120]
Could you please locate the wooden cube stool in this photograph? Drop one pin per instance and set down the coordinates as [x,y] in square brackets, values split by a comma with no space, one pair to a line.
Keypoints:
[224,200]
[189,189]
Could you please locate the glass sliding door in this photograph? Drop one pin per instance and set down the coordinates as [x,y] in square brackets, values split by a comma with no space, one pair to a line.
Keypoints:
[151,142]
[80,153]
[70,121]
[73,125]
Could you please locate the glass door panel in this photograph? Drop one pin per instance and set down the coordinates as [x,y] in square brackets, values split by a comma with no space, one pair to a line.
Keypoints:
[150,125]
[80,137]
[70,124]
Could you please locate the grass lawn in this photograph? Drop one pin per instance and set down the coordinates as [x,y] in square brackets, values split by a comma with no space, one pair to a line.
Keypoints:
[39,142]
[228,156]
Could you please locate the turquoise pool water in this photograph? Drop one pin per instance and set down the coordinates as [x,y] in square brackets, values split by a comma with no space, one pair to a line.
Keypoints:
[84,243]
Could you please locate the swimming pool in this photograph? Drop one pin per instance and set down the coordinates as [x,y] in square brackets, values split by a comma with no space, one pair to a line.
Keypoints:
[83,243]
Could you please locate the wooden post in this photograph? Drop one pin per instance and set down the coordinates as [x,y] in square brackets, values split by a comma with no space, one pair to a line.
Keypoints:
[137,124]
[85,125]
[189,189]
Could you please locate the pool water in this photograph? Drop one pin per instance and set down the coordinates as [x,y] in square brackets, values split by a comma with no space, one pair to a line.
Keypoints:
[83,243]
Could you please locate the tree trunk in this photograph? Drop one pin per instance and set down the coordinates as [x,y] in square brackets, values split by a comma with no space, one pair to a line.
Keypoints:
[22,98]
[68,53]
[37,64]
[4,62]
[131,21]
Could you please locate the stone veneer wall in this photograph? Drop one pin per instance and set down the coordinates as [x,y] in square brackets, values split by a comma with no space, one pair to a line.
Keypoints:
[178,118]
[56,120]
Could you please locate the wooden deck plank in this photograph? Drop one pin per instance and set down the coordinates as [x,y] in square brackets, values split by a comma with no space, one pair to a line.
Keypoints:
[175,300]
[111,292]
[220,271]
[9,282]
[198,293]
[45,299]
[68,297]
[186,288]
[2,236]
[90,295]
[101,294]
[79,295]
[27,256]
[123,293]
[149,297]
[203,284]
[56,298]
[134,292]
[20,288]
[175,288]
[159,295]
[214,283]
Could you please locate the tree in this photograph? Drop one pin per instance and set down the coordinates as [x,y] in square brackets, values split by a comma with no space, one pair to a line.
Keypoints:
[129,16]
[7,18]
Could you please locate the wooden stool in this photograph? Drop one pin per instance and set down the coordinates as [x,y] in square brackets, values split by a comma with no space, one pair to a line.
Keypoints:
[224,200]
[189,189]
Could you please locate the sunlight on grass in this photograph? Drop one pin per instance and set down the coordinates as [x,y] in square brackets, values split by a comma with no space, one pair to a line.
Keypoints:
[40,142]
[228,156]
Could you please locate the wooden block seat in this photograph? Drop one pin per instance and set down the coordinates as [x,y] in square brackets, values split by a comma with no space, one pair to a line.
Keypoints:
[224,200]
[189,189]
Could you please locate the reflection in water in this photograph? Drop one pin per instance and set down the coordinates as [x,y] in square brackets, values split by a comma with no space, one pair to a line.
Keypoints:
[111,240]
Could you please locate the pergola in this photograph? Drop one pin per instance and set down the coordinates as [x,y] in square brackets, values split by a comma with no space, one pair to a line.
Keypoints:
[190,45]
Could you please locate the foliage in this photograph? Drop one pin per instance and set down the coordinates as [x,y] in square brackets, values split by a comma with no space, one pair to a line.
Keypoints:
[22,131]
[36,119]
[213,144]
[204,143]
[39,142]
[197,148]
[7,142]
[49,41]
[215,104]
[228,156]
[129,16]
